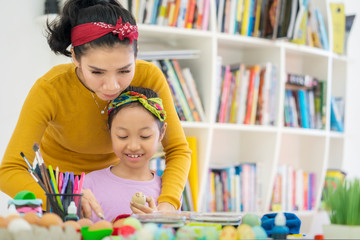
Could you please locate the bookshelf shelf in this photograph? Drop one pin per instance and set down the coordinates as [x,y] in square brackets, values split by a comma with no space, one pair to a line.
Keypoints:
[302,131]
[338,135]
[243,127]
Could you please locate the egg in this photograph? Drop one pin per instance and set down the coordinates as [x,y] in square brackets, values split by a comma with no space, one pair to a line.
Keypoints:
[84,222]
[50,219]
[245,232]
[72,223]
[9,218]
[118,223]
[3,223]
[101,225]
[18,224]
[228,233]
[251,219]
[259,232]
[32,218]
[134,222]
[139,198]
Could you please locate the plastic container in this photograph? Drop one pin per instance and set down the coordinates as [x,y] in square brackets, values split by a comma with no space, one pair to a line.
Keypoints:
[53,204]
[223,218]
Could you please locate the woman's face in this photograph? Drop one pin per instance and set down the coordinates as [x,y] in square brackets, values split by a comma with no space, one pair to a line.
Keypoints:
[106,70]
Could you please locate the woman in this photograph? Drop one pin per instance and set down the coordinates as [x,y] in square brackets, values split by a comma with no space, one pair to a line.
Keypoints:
[65,111]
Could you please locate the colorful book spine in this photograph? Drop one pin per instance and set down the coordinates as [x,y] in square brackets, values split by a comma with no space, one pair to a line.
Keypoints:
[185,89]
[167,66]
[303,108]
[193,172]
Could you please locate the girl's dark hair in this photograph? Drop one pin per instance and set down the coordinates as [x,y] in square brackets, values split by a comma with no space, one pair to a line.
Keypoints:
[77,12]
[149,93]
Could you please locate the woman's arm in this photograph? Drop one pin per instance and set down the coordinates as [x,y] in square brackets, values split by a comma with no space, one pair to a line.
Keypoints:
[177,152]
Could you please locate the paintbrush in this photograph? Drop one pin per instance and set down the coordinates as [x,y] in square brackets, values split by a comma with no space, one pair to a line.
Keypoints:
[42,167]
[36,178]
[31,168]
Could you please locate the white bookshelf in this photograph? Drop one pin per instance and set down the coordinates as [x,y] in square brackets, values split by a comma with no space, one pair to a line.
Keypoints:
[223,143]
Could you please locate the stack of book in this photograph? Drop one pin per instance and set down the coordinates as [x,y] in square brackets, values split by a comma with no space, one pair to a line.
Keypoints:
[184,91]
[294,189]
[247,94]
[304,102]
[190,14]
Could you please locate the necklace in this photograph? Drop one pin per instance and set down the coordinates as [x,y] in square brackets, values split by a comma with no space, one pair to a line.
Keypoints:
[101,111]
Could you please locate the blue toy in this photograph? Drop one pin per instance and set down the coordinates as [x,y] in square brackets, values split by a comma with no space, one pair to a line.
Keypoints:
[292,222]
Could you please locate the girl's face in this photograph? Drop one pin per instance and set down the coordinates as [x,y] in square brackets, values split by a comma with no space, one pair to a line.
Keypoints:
[135,136]
[106,70]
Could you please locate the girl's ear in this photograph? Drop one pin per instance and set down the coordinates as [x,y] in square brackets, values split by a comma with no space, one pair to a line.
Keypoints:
[163,130]
[76,62]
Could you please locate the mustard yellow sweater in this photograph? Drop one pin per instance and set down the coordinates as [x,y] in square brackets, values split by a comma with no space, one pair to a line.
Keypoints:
[61,115]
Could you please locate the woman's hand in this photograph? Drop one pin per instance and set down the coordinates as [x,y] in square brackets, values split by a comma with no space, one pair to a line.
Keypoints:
[166,207]
[142,209]
[88,203]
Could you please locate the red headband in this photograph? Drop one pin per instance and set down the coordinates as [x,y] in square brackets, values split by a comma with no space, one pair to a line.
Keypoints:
[87,32]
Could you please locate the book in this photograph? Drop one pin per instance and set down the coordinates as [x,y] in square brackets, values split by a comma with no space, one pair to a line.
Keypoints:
[243,97]
[220,14]
[176,101]
[162,13]
[304,108]
[239,15]
[225,91]
[200,13]
[257,18]
[338,26]
[349,20]
[238,71]
[250,95]
[155,11]
[322,28]
[205,21]
[246,18]
[190,13]
[194,93]
[255,94]
[193,172]
[299,36]
[294,9]
[173,79]
[185,89]
[336,122]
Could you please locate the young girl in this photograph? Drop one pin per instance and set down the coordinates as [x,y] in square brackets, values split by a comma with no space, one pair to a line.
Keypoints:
[136,124]
[65,111]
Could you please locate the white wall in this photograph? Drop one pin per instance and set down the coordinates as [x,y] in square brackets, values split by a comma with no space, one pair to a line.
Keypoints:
[352,121]
[25,56]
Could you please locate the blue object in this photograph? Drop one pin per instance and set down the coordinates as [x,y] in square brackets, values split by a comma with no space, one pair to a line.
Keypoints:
[279,232]
[292,222]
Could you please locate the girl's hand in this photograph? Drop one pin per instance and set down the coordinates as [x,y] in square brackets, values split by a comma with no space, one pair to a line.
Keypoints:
[88,203]
[143,209]
[166,207]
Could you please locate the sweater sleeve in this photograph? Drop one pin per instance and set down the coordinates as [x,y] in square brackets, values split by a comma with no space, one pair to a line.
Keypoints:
[37,111]
[177,151]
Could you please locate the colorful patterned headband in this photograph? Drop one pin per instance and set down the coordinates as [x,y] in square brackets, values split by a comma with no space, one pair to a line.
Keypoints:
[88,32]
[154,105]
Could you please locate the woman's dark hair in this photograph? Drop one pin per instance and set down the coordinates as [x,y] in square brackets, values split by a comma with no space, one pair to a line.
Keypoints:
[77,12]
[149,93]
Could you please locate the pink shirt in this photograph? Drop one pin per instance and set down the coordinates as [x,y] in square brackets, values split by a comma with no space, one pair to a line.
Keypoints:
[114,193]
